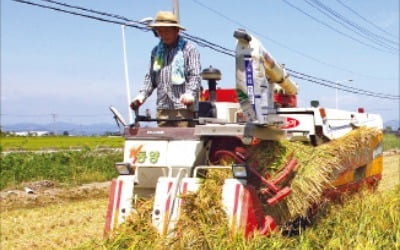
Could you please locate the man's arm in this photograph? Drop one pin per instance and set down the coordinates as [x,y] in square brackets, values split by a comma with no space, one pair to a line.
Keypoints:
[147,87]
[192,71]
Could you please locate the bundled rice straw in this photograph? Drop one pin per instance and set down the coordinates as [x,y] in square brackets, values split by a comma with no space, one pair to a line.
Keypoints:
[203,218]
[317,167]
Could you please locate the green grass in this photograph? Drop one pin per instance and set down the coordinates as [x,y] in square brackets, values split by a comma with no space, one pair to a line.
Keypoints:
[58,142]
[72,167]
[390,141]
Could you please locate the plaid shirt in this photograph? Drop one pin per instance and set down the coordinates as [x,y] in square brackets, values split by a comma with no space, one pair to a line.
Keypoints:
[168,94]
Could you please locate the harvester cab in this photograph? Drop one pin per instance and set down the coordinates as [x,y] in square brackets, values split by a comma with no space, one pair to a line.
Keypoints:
[168,162]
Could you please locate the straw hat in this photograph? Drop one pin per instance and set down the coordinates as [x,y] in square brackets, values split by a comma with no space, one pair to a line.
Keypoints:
[166,19]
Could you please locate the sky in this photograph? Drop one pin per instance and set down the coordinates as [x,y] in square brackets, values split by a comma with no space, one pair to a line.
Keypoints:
[65,68]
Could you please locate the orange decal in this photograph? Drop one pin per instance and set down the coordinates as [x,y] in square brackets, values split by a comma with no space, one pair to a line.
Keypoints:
[134,151]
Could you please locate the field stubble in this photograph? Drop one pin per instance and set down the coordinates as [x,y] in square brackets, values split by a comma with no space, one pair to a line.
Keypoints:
[79,224]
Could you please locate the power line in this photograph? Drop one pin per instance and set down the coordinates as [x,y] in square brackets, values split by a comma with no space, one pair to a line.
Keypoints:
[26,115]
[201,41]
[355,25]
[210,45]
[92,11]
[204,43]
[266,37]
[54,115]
[282,45]
[345,89]
[336,85]
[82,15]
[121,18]
[336,30]
[366,20]
[128,22]
[365,33]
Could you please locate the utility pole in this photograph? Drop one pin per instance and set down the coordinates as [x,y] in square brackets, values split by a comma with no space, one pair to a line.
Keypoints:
[175,9]
[144,21]
[128,90]
[54,116]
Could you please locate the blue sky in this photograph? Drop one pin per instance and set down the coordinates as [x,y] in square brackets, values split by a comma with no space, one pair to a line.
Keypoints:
[69,68]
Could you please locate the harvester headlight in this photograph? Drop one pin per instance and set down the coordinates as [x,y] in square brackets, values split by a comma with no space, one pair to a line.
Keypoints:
[315,103]
[124,168]
[247,140]
[239,171]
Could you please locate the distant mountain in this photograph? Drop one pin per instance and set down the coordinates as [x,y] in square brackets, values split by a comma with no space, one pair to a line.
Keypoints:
[59,128]
[394,124]
[98,128]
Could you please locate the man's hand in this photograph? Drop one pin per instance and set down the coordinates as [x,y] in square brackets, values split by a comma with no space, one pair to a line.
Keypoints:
[137,101]
[187,99]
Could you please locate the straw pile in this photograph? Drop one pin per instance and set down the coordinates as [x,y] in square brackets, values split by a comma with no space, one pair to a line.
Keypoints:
[203,218]
[202,221]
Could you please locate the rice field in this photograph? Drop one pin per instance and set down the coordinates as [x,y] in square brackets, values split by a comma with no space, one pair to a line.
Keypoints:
[366,222]
[29,143]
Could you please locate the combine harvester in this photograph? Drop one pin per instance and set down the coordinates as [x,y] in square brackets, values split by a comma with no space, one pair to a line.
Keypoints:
[241,130]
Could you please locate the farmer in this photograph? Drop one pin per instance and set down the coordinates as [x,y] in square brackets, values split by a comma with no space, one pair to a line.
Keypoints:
[175,73]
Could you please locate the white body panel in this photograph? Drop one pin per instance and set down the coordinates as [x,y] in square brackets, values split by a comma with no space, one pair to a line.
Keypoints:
[167,201]
[120,201]
[126,196]
[299,124]
[232,200]
[183,153]
[155,158]
[227,111]
[335,124]
[143,152]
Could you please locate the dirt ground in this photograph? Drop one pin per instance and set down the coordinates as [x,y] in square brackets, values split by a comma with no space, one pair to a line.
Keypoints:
[42,193]
[391,170]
